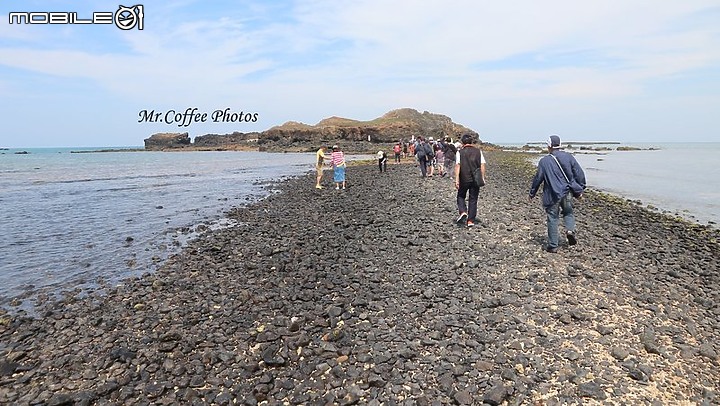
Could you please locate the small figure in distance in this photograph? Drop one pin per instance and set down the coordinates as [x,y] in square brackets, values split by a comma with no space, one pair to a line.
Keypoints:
[423,153]
[431,157]
[440,158]
[319,164]
[449,150]
[338,162]
[382,161]
[397,150]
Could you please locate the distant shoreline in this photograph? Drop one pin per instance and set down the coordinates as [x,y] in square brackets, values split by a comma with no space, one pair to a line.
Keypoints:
[581,143]
[306,148]
[109,150]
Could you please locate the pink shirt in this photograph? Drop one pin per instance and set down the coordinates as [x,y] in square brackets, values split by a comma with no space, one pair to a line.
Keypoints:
[338,158]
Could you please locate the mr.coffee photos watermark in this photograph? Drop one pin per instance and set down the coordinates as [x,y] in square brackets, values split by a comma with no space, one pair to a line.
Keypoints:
[194,115]
[125,18]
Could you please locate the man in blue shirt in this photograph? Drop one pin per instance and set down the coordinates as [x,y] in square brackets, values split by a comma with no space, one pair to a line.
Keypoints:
[563,178]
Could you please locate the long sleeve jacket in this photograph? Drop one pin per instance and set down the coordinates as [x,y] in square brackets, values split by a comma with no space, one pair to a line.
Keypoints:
[555,187]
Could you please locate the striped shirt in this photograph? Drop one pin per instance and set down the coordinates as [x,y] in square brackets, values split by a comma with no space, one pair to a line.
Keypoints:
[338,158]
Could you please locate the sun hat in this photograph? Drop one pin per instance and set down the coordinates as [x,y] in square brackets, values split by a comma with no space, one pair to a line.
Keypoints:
[553,141]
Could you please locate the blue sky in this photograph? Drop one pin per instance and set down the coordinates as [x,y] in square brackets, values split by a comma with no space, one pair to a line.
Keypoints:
[613,70]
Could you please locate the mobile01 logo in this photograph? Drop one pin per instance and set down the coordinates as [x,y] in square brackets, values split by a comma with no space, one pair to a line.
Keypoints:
[125,18]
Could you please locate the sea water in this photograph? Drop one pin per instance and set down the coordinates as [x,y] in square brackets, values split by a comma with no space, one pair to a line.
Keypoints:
[683,179]
[680,178]
[75,219]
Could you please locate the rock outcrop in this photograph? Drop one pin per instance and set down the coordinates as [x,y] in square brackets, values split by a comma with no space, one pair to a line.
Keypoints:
[400,124]
[162,141]
[219,140]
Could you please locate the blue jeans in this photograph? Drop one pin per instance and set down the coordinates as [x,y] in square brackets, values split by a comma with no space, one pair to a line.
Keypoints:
[565,207]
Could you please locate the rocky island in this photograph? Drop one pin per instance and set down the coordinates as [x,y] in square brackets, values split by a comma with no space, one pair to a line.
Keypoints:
[358,136]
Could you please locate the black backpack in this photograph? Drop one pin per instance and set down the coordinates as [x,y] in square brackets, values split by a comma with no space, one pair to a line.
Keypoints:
[449,150]
[429,151]
[420,150]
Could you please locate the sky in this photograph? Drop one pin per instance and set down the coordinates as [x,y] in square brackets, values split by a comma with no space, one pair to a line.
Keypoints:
[514,71]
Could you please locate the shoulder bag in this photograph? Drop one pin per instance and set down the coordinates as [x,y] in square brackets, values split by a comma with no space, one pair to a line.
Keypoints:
[575,187]
[476,175]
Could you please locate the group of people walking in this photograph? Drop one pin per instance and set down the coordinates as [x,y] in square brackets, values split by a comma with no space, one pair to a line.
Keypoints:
[558,172]
[432,155]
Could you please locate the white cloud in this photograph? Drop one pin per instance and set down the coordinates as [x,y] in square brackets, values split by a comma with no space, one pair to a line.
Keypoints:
[365,57]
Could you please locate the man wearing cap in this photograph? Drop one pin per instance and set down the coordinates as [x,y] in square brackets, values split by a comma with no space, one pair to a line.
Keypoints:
[562,177]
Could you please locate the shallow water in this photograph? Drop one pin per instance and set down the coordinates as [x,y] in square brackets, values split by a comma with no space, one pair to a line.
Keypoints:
[680,178]
[73,220]
[77,220]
